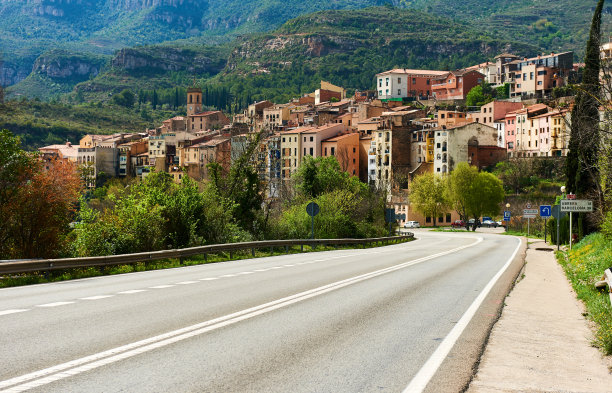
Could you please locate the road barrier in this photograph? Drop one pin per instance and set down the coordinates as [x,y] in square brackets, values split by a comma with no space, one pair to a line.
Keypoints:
[26,266]
[607,280]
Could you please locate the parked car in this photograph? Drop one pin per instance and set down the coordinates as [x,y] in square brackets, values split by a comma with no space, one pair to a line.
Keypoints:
[500,223]
[489,224]
[412,224]
[471,223]
[458,224]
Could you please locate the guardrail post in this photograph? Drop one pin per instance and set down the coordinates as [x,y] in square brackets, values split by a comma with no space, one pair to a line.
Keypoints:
[271,250]
[231,254]
[286,249]
[301,247]
[205,257]
[253,252]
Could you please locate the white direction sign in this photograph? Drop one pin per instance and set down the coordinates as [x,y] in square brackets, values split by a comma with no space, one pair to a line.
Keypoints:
[531,212]
[576,205]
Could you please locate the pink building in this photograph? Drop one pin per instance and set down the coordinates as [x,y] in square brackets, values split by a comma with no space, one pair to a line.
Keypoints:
[494,111]
[510,130]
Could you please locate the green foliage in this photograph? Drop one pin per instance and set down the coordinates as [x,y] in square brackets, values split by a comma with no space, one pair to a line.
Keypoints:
[502,92]
[477,96]
[475,194]
[606,226]
[348,207]
[429,194]
[155,214]
[584,266]
[126,99]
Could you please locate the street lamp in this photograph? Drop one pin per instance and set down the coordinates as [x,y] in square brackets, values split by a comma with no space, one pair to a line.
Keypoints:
[507,222]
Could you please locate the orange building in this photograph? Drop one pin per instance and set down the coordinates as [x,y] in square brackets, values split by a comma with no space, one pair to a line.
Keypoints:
[455,85]
[346,150]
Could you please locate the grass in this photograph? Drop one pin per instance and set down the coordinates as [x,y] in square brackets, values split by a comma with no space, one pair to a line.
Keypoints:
[584,266]
[532,235]
[77,273]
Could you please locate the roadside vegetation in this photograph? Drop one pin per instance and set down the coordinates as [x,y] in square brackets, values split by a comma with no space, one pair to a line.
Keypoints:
[130,215]
[584,265]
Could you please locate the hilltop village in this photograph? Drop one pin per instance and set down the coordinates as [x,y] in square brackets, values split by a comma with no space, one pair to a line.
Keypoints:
[416,121]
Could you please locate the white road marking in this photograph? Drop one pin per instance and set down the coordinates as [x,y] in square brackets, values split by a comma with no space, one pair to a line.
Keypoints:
[186,282]
[78,366]
[261,270]
[162,286]
[288,265]
[228,275]
[276,267]
[132,291]
[422,378]
[97,297]
[209,279]
[7,312]
[243,273]
[56,304]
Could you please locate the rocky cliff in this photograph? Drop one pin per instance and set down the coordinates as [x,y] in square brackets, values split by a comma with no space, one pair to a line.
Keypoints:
[164,59]
[59,64]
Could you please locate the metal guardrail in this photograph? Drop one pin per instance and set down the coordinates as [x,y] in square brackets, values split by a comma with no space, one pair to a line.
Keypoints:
[607,280]
[26,266]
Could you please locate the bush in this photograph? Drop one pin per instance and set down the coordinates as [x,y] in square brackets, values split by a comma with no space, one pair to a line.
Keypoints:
[584,266]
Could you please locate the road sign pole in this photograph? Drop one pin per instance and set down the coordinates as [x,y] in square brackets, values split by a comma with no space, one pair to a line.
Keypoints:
[312,228]
[570,230]
[545,230]
[558,219]
[528,220]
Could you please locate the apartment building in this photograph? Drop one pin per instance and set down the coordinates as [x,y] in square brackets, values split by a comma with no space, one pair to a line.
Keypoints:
[345,148]
[402,83]
[455,85]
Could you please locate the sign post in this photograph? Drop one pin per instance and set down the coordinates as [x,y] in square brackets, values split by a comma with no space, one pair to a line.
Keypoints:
[312,209]
[390,218]
[572,205]
[545,213]
[558,215]
[507,216]
[529,213]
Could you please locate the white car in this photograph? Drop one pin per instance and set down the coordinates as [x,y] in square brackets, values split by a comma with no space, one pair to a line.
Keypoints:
[412,224]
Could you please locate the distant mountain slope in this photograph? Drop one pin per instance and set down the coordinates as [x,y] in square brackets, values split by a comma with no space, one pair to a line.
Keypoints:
[346,47]
[31,27]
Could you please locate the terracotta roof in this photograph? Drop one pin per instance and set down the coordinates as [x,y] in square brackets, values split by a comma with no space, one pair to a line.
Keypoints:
[203,114]
[210,143]
[339,137]
[506,55]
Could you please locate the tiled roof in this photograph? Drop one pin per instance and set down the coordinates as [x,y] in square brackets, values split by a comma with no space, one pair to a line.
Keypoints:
[415,72]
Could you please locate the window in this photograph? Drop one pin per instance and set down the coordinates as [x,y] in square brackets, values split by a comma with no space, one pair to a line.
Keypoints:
[326,151]
[354,150]
[312,152]
[448,217]
[283,139]
[399,80]
[387,82]
[380,83]
[311,138]
[353,160]
[428,219]
[333,151]
[399,92]
[304,151]
[531,76]
[413,80]
[428,81]
[539,83]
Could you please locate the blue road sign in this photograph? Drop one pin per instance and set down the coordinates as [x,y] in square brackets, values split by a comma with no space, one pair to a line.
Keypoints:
[545,211]
[507,216]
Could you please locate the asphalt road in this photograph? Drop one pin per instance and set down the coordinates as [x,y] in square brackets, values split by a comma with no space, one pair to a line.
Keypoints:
[391,319]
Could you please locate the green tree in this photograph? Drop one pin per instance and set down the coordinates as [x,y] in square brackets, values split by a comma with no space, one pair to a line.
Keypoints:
[477,97]
[126,98]
[474,193]
[429,195]
[582,158]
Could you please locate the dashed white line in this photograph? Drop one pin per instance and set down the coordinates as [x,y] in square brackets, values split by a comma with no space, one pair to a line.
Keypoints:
[261,270]
[243,273]
[209,279]
[276,267]
[162,286]
[56,304]
[7,312]
[97,297]
[132,291]
[228,275]
[288,265]
[186,282]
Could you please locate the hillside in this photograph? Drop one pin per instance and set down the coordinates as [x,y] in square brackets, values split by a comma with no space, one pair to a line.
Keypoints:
[44,123]
[349,47]
[32,27]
